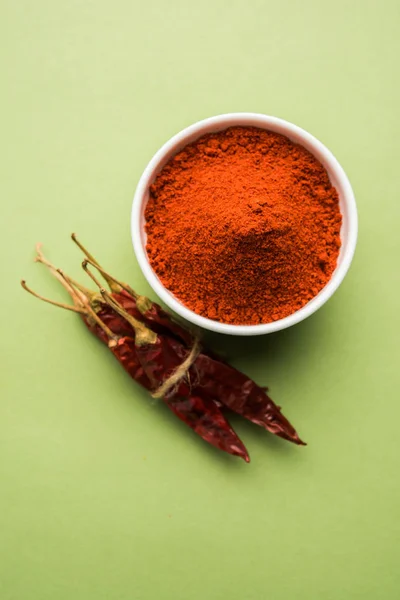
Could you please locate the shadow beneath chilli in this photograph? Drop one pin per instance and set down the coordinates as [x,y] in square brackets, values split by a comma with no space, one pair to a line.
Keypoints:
[293,349]
[172,423]
[162,418]
[293,352]
[250,433]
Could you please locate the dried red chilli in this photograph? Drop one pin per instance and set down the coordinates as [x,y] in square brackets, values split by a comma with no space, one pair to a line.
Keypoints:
[213,383]
[227,385]
[200,414]
[244,396]
[160,356]
[223,382]
[232,389]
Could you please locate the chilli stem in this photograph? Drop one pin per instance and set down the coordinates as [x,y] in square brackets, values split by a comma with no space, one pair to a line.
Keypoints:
[114,287]
[53,302]
[107,276]
[90,313]
[143,335]
[62,278]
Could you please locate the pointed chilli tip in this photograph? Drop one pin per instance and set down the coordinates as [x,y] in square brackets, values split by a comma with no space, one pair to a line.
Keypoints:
[290,437]
[241,452]
[296,439]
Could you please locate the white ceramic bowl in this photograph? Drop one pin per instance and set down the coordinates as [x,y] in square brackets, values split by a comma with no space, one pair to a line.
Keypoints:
[337,177]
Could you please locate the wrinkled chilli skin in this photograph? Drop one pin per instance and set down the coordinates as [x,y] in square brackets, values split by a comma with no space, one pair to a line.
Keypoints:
[166,358]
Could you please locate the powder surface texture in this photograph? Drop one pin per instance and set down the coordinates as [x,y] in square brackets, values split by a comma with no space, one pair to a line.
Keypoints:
[243,226]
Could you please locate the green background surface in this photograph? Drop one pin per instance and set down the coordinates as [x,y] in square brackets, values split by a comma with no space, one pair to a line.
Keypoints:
[104,495]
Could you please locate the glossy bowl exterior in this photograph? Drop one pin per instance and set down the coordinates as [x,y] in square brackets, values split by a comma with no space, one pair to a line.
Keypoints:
[337,177]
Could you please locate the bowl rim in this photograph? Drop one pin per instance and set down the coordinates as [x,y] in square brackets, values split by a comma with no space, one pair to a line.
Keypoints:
[265,122]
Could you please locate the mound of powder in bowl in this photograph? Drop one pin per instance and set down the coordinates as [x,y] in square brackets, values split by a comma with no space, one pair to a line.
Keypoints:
[243,226]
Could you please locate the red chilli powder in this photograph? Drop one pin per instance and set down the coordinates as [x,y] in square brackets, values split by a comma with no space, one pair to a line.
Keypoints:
[243,226]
